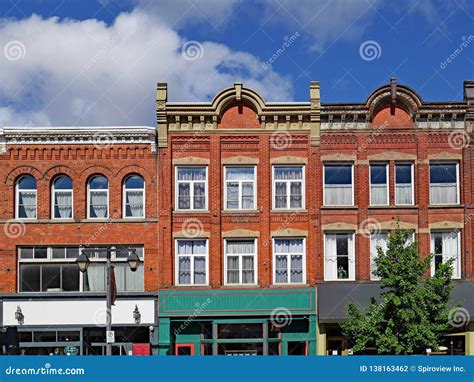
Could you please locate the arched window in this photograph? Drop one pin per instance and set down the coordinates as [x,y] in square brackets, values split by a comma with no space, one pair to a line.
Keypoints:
[134,197]
[98,197]
[26,198]
[62,197]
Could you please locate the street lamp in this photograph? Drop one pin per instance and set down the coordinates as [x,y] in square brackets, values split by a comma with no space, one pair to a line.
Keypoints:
[83,263]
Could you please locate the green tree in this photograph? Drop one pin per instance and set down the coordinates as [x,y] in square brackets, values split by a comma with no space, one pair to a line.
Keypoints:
[411,314]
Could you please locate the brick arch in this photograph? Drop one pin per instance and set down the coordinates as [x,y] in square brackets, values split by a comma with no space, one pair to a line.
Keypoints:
[53,172]
[14,174]
[93,170]
[133,169]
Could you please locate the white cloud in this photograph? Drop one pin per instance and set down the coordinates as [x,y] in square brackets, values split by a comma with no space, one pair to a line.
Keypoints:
[86,72]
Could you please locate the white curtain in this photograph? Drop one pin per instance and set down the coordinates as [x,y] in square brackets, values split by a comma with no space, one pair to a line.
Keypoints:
[134,280]
[443,193]
[233,269]
[403,194]
[199,195]
[232,195]
[184,264]
[28,201]
[190,173]
[64,203]
[350,247]
[193,248]
[288,173]
[378,194]
[281,269]
[184,196]
[450,250]
[378,239]
[296,269]
[98,201]
[330,257]
[248,196]
[284,249]
[238,247]
[296,195]
[338,195]
[280,195]
[96,277]
[240,173]
[199,270]
[248,270]
[134,199]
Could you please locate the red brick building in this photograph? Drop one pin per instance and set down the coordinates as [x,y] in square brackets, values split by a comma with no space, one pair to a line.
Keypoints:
[240,210]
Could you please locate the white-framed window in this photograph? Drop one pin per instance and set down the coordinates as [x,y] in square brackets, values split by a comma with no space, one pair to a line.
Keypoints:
[446,245]
[339,258]
[288,187]
[444,183]
[26,196]
[98,197]
[134,197]
[377,239]
[404,190]
[54,269]
[379,194]
[240,187]
[191,188]
[62,196]
[240,266]
[338,184]
[192,266]
[289,261]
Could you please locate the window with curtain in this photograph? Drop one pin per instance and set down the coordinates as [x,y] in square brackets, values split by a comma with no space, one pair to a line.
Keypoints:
[379,184]
[98,189]
[134,197]
[338,185]
[62,197]
[377,240]
[54,269]
[191,188]
[240,258]
[403,183]
[191,262]
[289,261]
[445,245]
[26,195]
[288,187]
[444,183]
[339,259]
[239,188]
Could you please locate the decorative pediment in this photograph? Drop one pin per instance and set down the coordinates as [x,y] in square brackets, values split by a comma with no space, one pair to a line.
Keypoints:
[445,224]
[240,233]
[293,232]
[190,161]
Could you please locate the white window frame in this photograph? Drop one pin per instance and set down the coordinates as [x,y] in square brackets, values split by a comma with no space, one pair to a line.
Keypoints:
[254,181]
[255,262]
[288,188]
[373,256]
[458,199]
[53,199]
[191,189]
[351,254]
[386,183]
[456,272]
[89,198]
[51,260]
[176,262]
[17,198]
[352,183]
[412,183]
[274,255]
[124,197]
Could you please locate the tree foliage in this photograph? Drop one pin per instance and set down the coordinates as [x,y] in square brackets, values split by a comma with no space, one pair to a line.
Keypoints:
[411,314]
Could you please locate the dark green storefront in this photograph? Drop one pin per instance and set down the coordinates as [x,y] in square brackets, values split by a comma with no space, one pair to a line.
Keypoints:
[237,322]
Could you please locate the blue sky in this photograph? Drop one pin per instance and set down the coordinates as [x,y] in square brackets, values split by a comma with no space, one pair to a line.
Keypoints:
[97,61]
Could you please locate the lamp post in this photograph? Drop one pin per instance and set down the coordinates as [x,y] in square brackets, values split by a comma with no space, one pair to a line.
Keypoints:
[83,263]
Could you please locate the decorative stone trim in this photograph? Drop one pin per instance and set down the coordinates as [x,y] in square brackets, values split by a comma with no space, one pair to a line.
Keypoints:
[445,156]
[188,234]
[389,225]
[240,233]
[445,224]
[289,160]
[289,232]
[339,226]
[338,157]
[240,160]
[190,161]
[392,155]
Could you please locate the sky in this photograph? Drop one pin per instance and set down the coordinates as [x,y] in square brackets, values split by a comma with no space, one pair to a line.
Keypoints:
[97,62]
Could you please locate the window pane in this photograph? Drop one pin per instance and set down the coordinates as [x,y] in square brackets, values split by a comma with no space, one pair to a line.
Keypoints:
[72,252]
[199,196]
[59,252]
[134,181]
[296,197]
[134,203]
[63,183]
[27,183]
[443,173]
[51,277]
[281,269]
[403,173]
[239,173]
[378,174]
[288,173]
[98,182]
[280,195]
[338,174]
[41,252]
[184,198]
[191,173]
[232,195]
[70,277]
[296,268]
[26,252]
[30,278]
[184,271]
[199,270]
